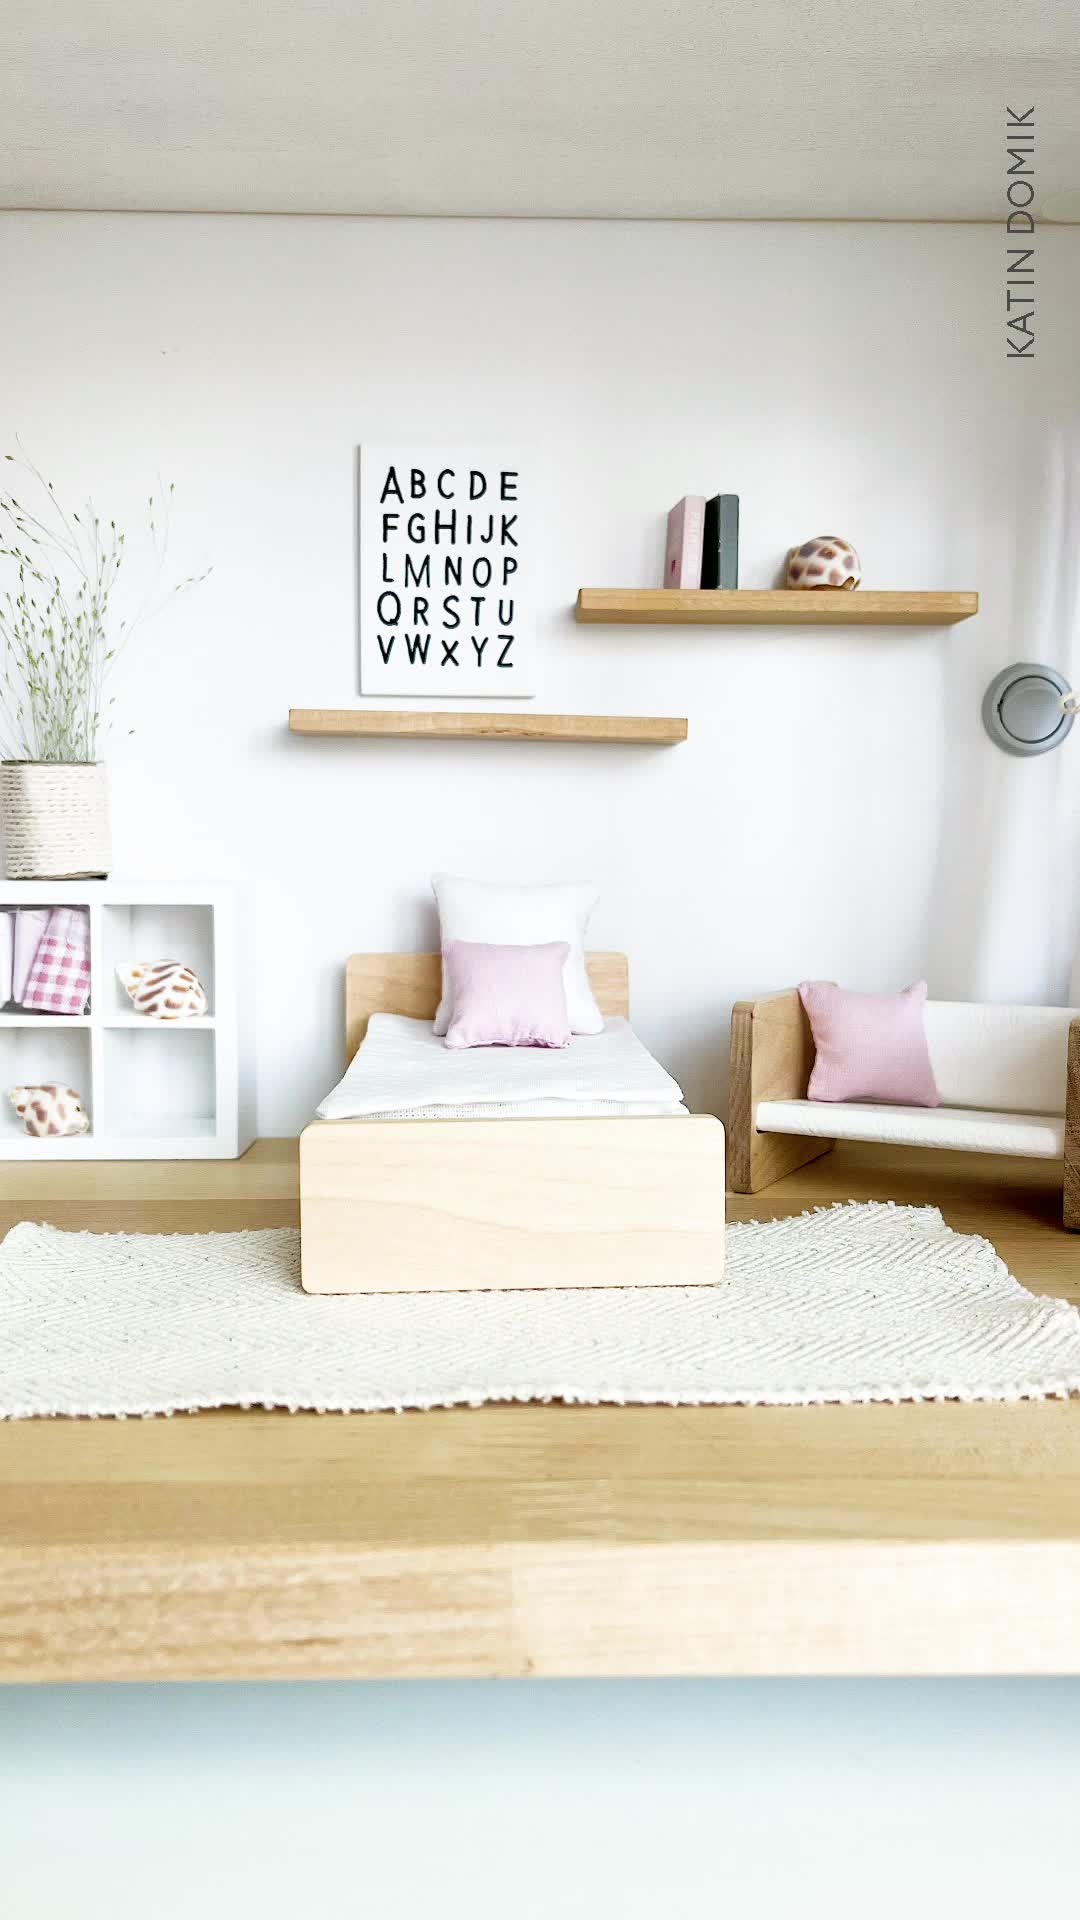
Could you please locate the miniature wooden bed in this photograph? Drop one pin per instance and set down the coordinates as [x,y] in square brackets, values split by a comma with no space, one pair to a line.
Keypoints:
[404,1206]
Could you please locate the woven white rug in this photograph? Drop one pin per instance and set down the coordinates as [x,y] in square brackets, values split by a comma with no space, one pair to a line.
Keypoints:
[855,1303]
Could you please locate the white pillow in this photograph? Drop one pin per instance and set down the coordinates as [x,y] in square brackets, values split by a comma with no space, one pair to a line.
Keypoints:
[521,917]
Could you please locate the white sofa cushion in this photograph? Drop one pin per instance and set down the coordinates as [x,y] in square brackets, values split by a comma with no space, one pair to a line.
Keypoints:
[1003,1059]
[1040,1135]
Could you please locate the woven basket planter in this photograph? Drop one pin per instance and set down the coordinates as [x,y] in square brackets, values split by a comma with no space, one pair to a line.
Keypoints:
[55,820]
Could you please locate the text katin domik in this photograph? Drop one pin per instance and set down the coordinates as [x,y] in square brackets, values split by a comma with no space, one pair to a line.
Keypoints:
[437,579]
[1020,261]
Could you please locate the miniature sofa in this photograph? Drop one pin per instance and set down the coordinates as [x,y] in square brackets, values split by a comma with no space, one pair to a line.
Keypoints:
[1008,1077]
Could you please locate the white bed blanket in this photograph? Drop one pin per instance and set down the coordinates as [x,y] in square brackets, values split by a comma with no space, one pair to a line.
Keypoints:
[403,1072]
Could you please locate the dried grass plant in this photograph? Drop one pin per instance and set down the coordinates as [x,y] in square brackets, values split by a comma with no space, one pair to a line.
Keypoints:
[62,626]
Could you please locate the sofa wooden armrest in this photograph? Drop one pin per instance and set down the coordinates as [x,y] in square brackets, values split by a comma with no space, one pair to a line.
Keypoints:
[1070,1210]
[772,1055]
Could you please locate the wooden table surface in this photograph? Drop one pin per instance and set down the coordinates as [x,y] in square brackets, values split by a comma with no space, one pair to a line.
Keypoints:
[546,1540]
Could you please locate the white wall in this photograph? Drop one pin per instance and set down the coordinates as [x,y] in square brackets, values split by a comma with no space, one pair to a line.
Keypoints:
[837,809]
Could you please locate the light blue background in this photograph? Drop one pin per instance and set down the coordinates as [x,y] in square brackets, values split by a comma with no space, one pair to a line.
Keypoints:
[629,1798]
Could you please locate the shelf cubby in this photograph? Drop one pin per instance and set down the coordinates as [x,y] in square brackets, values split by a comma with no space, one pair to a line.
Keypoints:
[154,930]
[29,1058]
[161,1084]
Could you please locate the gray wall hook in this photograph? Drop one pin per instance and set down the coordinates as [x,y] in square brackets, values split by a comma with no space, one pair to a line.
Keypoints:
[1023,708]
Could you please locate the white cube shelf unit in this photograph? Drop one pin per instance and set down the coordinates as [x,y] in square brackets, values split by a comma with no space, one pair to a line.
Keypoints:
[155,1090]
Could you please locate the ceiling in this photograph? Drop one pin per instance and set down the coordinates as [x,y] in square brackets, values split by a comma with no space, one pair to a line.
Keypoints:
[691,109]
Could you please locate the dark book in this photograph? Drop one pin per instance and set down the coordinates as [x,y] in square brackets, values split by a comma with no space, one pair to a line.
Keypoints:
[720,547]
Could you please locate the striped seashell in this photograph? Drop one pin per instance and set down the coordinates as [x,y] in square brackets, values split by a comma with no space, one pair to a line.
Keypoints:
[163,989]
[826,561]
[50,1110]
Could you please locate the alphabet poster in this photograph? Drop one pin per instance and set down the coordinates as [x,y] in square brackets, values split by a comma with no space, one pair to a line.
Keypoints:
[445,573]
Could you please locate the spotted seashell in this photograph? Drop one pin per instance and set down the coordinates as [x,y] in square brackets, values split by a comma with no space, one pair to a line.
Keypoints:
[826,561]
[50,1109]
[163,989]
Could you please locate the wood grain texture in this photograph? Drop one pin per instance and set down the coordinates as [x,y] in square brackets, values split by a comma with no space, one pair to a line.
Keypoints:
[411,983]
[783,607]
[771,1058]
[547,1540]
[411,724]
[1071,1193]
[423,1206]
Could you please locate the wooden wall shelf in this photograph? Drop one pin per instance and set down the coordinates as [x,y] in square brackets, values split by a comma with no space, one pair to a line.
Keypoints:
[784,607]
[373,723]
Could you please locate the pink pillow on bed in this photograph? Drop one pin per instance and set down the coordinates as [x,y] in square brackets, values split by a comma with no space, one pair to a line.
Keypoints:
[506,996]
[870,1046]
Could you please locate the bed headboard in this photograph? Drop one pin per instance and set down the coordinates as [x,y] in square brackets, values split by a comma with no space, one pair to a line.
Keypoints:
[411,983]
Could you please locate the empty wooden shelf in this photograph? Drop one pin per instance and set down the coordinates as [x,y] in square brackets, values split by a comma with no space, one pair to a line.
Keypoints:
[782,607]
[373,722]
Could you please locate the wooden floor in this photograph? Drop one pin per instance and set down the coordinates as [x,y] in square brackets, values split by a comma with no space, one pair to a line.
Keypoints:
[546,1540]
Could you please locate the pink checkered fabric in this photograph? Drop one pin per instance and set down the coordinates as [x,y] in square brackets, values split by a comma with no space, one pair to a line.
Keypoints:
[59,979]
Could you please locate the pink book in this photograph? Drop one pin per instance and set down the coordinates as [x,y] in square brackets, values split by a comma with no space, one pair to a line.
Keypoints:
[30,925]
[685,534]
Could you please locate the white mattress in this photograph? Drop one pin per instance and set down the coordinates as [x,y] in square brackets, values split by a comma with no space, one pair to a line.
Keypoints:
[403,1072]
[1038,1135]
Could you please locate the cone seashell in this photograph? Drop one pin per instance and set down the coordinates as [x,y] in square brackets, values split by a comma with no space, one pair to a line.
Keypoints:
[826,561]
[50,1109]
[163,989]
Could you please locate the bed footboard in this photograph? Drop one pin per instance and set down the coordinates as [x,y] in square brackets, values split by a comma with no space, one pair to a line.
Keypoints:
[416,1206]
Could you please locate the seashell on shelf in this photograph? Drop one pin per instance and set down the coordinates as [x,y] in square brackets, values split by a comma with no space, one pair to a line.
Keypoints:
[163,989]
[50,1109]
[825,561]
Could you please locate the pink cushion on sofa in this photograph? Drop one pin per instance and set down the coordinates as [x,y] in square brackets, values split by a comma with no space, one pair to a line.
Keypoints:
[506,996]
[870,1046]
